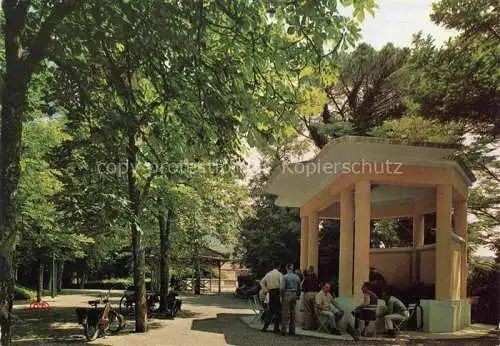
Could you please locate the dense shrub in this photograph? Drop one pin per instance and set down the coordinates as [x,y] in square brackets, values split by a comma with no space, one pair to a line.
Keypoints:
[483,286]
[115,284]
[24,293]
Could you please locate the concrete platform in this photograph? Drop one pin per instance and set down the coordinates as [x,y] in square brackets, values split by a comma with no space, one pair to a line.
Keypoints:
[475,331]
[300,331]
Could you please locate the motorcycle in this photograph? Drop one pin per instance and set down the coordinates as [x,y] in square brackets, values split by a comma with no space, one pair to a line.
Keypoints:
[127,302]
[247,287]
[173,304]
[96,321]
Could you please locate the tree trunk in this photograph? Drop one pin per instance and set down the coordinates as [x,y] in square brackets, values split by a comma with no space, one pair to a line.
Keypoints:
[141,317]
[165,228]
[13,99]
[197,275]
[39,284]
[60,269]
[19,68]
[6,297]
[83,279]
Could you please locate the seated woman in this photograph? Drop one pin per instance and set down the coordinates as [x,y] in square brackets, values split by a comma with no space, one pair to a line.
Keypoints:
[369,302]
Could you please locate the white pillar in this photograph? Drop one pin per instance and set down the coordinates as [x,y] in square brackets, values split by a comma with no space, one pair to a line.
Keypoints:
[304,241]
[444,286]
[346,242]
[362,214]
[312,257]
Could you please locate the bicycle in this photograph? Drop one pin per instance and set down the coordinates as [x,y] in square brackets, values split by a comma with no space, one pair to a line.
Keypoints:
[96,321]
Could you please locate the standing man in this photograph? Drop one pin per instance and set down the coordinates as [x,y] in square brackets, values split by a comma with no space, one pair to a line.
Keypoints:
[290,289]
[271,283]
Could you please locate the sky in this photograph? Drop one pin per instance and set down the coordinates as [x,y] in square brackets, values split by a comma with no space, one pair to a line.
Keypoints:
[397,20]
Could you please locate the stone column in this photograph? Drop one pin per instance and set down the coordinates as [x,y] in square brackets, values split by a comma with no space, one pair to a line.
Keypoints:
[444,287]
[460,220]
[361,236]
[346,242]
[312,257]
[418,242]
[304,242]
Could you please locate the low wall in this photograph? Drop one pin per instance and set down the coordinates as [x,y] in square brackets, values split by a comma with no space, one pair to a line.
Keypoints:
[445,316]
[426,256]
[396,264]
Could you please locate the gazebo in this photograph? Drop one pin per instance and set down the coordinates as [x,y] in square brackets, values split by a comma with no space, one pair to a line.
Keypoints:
[359,179]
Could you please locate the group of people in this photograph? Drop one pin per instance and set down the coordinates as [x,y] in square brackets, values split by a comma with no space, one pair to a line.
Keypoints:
[283,290]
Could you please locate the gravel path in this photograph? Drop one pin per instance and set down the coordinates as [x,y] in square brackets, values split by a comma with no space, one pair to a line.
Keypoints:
[205,320]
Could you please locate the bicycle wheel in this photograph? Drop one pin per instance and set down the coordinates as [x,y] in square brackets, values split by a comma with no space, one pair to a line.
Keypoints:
[91,331]
[126,306]
[116,322]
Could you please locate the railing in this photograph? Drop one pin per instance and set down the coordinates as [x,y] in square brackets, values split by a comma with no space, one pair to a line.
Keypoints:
[208,285]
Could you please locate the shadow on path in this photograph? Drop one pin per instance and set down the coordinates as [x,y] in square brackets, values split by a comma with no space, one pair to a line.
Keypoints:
[237,333]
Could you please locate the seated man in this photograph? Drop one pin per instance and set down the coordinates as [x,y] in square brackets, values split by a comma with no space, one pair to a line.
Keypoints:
[396,311]
[327,307]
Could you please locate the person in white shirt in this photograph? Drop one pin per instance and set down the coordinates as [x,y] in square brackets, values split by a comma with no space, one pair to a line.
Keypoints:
[270,283]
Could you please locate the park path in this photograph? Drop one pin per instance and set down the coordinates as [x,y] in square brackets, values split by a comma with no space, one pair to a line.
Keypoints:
[204,320]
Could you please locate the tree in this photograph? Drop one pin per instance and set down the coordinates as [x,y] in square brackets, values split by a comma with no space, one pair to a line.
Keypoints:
[459,83]
[271,234]
[41,236]
[129,66]
[371,87]
[29,27]
[460,80]
[236,85]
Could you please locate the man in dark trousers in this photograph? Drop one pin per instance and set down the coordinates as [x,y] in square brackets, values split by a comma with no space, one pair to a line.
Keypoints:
[271,283]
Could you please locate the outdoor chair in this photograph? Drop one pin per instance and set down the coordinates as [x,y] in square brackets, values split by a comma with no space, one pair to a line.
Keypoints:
[369,314]
[256,306]
[322,321]
[401,325]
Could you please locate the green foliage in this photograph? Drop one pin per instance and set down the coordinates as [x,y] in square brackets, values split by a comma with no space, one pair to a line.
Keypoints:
[272,234]
[388,233]
[417,128]
[484,282]
[22,292]
[460,80]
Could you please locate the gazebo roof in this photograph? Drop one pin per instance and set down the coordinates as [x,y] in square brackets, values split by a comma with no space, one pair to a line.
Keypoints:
[212,255]
[294,186]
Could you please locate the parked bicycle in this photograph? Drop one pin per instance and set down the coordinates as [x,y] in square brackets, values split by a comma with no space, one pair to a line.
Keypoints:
[96,321]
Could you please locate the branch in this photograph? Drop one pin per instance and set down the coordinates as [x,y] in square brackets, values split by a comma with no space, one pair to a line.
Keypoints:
[147,186]
[43,37]
[334,50]
[485,213]
[15,19]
